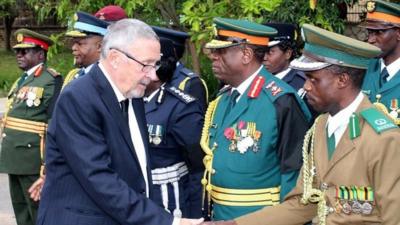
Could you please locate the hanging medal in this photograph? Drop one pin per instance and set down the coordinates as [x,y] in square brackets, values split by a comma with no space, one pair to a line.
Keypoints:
[356,205]
[158,134]
[369,199]
[150,131]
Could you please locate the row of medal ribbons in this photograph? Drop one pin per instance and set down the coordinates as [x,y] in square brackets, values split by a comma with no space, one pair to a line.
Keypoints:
[353,199]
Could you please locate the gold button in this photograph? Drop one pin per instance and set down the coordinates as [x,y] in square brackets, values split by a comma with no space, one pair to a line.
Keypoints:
[29,145]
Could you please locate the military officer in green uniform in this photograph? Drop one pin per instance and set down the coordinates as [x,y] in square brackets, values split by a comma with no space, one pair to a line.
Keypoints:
[254,129]
[86,36]
[382,81]
[30,105]
[351,154]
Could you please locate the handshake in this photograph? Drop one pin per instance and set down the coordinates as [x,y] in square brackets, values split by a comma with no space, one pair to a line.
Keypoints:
[201,222]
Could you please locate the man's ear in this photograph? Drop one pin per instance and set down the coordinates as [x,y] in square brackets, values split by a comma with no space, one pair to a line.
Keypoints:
[344,80]
[248,55]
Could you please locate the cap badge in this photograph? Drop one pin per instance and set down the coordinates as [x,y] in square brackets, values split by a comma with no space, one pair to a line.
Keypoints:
[370,6]
[20,38]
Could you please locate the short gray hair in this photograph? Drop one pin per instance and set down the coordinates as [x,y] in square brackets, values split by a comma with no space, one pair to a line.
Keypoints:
[125,32]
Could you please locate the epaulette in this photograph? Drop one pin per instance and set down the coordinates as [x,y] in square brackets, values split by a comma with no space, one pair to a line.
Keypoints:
[274,90]
[53,72]
[224,89]
[377,120]
[256,87]
[185,71]
[180,94]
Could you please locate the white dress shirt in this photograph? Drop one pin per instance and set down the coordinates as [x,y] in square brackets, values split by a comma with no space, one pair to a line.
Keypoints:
[338,123]
[137,139]
[282,74]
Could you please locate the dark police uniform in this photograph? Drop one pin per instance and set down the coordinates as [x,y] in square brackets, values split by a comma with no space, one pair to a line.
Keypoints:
[175,120]
[30,105]
[191,83]
[84,26]
[254,150]
[184,78]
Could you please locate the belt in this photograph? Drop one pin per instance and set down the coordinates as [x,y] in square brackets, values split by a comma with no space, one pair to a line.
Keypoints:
[39,128]
[170,175]
[246,197]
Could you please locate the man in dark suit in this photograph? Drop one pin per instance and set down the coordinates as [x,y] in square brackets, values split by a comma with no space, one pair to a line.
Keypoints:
[97,160]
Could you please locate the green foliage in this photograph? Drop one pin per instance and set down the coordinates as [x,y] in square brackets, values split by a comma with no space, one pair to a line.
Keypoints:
[326,14]
[195,17]
[6,7]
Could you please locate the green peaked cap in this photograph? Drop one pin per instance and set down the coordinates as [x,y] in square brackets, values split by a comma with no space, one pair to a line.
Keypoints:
[227,30]
[323,48]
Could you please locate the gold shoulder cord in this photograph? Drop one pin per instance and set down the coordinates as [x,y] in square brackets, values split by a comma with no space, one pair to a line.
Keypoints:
[9,103]
[310,194]
[208,158]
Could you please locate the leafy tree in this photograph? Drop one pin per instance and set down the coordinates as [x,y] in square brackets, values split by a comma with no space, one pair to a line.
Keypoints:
[8,13]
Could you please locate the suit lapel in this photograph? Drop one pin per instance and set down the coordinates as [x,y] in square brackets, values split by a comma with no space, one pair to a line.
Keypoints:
[111,103]
[239,108]
[152,104]
[393,83]
[346,145]
[321,146]
[289,77]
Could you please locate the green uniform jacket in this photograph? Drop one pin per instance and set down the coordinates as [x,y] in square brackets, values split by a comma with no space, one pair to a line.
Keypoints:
[389,92]
[281,119]
[20,151]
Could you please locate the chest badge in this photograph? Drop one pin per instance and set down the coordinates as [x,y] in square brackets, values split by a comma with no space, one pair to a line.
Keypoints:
[243,136]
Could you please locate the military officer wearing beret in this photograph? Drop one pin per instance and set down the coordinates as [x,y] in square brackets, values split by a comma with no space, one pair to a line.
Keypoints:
[382,81]
[111,13]
[253,131]
[30,105]
[174,120]
[185,79]
[86,36]
[350,154]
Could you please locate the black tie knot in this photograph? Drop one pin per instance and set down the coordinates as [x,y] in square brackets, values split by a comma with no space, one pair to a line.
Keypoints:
[124,108]
[384,76]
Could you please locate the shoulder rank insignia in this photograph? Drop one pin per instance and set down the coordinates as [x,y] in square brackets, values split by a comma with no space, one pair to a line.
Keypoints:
[53,72]
[256,87]
[181,95]
[273,87]
[377,120]
[38,71]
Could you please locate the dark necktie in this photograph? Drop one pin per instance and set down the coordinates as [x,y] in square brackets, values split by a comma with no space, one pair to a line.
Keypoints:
[331,143]
[22,79]
[232,101]
[384,76]
[124,108]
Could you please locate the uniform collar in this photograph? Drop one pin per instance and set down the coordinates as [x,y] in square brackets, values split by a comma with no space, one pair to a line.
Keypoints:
[392,68]
[87,69]
[282,74]
[245,84]
[33,69]
[341,119]
[151,96]
[117,92]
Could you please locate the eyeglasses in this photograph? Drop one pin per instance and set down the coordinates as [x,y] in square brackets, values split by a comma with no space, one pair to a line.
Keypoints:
[145,67]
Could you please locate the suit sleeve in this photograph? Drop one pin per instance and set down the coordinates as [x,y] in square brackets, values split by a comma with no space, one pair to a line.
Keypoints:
[79,134]
[292,126]
[187,127]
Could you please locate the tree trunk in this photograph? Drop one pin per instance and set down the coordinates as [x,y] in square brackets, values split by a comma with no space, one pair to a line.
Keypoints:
[8,21]
[195,58]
